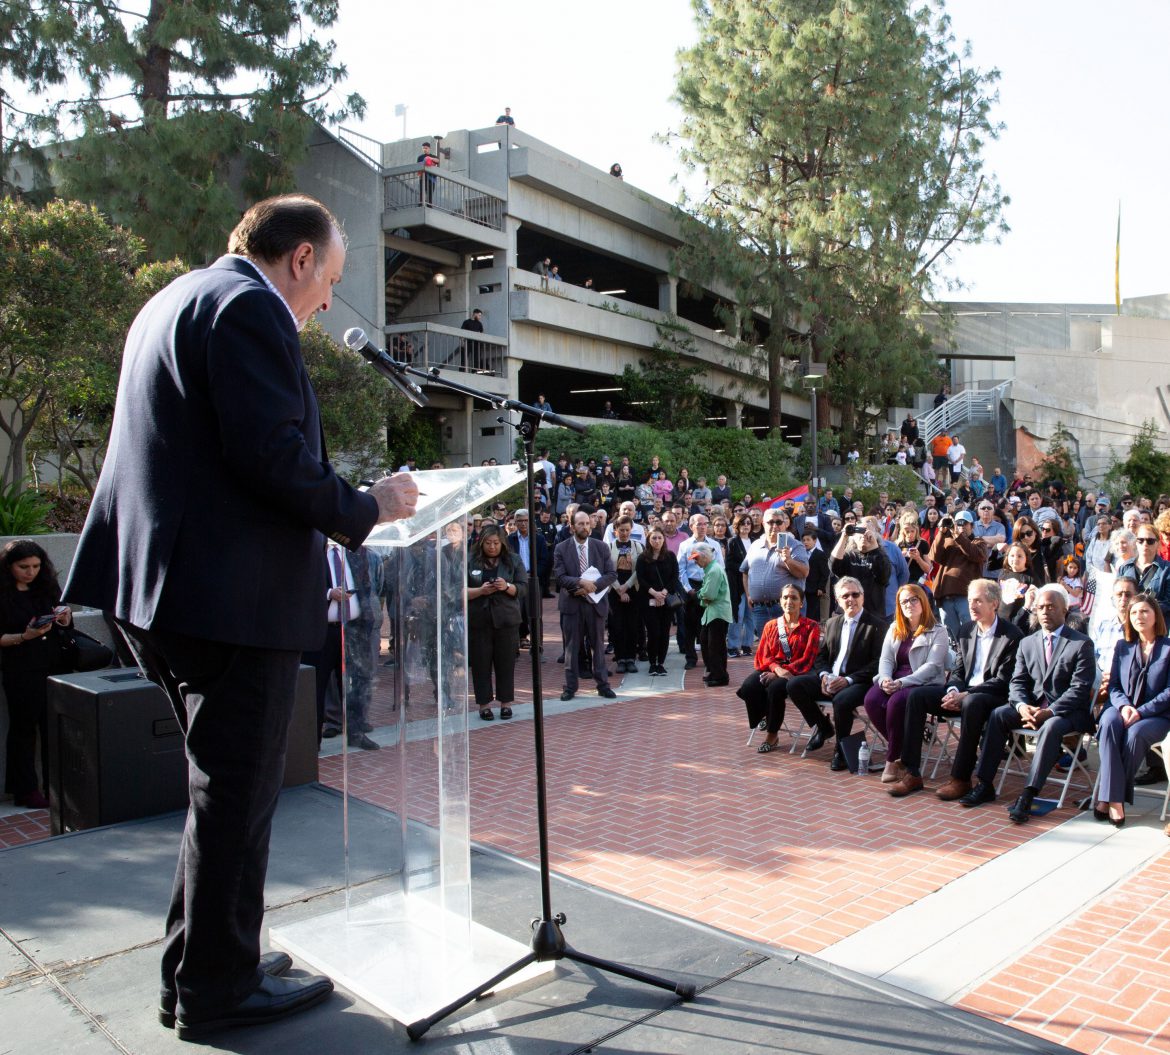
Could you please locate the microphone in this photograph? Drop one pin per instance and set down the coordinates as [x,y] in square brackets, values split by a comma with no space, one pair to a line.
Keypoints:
[394,371]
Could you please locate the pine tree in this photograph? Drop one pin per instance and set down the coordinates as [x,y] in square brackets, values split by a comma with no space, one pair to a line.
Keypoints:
[840,145]
[184,109]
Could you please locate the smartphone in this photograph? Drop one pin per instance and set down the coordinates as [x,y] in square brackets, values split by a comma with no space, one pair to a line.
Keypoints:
[43,620]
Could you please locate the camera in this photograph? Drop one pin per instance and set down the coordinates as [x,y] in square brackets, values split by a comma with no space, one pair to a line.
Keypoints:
[854,529]
[947,522]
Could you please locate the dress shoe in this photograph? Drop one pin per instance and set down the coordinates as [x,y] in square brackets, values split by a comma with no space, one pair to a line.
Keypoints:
[273,963]
[561,658]
[690,664]
[906,786]
[716,683]
[34,800]
[330,731]
[893,772]
[643,657]
[1020,811]
[837,764]
[364,742]
[819,735]
[978,795]
[486,715]
[273,999]
[953,789]
[568,694]
[607,692]
[1153,775]
[505,713]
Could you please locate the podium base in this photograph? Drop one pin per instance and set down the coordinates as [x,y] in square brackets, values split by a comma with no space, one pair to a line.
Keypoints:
[405,956]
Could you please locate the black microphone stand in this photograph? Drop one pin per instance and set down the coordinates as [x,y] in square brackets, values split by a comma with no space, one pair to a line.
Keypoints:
[548,940]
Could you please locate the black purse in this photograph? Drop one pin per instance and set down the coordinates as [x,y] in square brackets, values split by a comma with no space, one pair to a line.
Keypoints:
[80,652]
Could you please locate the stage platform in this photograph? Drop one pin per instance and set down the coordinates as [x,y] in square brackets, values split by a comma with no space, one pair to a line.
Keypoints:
[81,919]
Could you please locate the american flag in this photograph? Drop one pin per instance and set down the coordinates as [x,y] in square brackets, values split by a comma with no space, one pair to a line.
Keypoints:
[1089,597]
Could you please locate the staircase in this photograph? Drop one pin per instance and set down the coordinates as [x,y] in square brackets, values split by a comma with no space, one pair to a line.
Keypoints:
[405,276]
[963,410]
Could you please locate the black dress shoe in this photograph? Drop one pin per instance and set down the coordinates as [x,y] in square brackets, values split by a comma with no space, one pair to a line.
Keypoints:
[690,664]
[716,683]
[273,999]
[505,713]
[364,742]
[273,963]
[1020,811]
[567,694]
[1154,775]
[978,795]
[837,764]
[330,731]
[819,736]
[607,692]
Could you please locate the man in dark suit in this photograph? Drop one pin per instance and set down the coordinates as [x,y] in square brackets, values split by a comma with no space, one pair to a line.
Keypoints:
[518,543]
[987,659]
[581,618]
[1051,690]
[851,645]
[215,485]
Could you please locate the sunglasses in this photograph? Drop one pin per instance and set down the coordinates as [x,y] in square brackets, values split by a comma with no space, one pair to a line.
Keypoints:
[851,593]
[1145,540]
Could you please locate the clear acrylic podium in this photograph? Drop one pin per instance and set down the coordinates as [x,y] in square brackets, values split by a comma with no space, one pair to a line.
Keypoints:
[408,944]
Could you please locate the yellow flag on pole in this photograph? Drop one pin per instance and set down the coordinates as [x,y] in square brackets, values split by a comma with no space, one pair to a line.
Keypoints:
[1117,263]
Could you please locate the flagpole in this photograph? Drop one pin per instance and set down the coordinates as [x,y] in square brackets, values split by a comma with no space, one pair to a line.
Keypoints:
[1117,262]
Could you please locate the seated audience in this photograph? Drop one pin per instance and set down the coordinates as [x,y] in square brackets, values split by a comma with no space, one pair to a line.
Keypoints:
[914,653]
[787,648]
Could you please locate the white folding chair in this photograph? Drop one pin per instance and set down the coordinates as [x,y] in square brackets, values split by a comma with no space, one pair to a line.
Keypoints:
[1078,771]
[941,734]
[1162,750]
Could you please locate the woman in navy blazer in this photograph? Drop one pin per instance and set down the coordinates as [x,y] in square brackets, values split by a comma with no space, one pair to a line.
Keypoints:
[1139,691]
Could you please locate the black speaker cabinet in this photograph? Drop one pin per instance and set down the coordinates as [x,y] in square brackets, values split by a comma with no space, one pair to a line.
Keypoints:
[116,750]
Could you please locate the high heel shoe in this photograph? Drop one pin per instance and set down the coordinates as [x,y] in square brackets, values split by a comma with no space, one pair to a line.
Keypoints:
[1100,814]
[1118,822]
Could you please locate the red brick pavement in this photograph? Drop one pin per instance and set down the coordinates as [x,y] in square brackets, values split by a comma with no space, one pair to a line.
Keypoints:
[17,829]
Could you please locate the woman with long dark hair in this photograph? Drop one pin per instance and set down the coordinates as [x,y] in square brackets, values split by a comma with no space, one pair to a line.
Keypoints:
[30,606]
[495,581]
[657,571]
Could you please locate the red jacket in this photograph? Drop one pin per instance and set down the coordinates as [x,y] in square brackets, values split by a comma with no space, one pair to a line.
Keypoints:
[804,642]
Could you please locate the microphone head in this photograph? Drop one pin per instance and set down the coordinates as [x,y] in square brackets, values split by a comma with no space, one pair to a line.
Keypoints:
[355,338]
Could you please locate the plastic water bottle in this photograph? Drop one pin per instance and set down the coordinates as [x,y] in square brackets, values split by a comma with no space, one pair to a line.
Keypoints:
[863,759]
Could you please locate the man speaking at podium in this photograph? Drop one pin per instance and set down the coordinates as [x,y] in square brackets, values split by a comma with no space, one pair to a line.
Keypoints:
[205,542]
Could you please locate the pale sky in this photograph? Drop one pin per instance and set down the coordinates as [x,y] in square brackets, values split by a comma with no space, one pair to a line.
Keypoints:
[1083,86]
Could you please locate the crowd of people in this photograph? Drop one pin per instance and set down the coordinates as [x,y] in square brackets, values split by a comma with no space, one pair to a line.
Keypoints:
[978,602]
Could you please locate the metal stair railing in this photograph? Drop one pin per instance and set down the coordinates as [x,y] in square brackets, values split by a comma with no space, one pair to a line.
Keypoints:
[964,408]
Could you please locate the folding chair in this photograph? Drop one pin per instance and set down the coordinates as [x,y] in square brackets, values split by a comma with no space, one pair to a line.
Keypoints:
[789,710]
[1018,753]
[941,733]
[1162,750]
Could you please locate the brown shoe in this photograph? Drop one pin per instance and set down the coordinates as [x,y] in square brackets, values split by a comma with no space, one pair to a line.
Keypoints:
[953,789]
[906,786]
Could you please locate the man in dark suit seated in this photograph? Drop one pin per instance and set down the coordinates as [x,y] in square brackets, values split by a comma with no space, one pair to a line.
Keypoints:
[987,659]
[581,618]
[1051,690]
[851,645]
[205,543]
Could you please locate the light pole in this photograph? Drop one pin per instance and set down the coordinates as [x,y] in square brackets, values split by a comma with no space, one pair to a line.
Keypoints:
[810,382]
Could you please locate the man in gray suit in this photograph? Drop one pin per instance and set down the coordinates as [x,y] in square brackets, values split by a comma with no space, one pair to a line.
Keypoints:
[580,616]
[1051,690]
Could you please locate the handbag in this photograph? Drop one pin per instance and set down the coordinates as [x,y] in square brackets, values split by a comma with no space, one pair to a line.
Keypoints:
[81,653]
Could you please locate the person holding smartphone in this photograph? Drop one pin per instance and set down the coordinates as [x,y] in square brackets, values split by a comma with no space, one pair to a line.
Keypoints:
[29,609]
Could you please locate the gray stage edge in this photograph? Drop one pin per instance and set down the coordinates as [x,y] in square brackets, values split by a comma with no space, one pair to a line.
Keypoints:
[81,918]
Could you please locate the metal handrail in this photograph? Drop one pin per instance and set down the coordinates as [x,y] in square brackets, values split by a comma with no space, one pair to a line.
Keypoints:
[962,409]
[425,345]
[411,186]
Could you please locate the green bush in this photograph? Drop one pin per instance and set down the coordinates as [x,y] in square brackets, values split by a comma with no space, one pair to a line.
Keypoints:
[750,465]
[23,512]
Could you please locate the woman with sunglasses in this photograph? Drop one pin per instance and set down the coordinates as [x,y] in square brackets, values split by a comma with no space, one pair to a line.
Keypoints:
[1139,692]
[1025,533]
[914,653]
[1051,548]
[1147,569]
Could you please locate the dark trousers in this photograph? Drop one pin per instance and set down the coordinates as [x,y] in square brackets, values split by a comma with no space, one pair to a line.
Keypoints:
[975,709]
[690,622]
[493,649]
[1003,720]
[623,626]
[713,641]
[658,622]
[1122,751]
[583,623]
[805,691]
[234,705]
[327,663]
[764,701]
[27,692]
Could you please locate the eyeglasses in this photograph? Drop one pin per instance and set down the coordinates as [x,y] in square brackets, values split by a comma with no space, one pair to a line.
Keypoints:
[911,600]
[1145,540]
[851,593]
[773,523]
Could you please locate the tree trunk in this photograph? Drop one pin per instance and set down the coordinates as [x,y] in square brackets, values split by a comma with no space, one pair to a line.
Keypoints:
[775,383]
[155,65]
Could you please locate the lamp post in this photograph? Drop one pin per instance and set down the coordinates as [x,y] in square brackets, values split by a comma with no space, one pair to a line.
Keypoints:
[810,382]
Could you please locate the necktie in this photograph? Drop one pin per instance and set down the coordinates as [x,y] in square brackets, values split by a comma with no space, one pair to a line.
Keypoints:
[583,557]
[843,657]
[1047,650]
